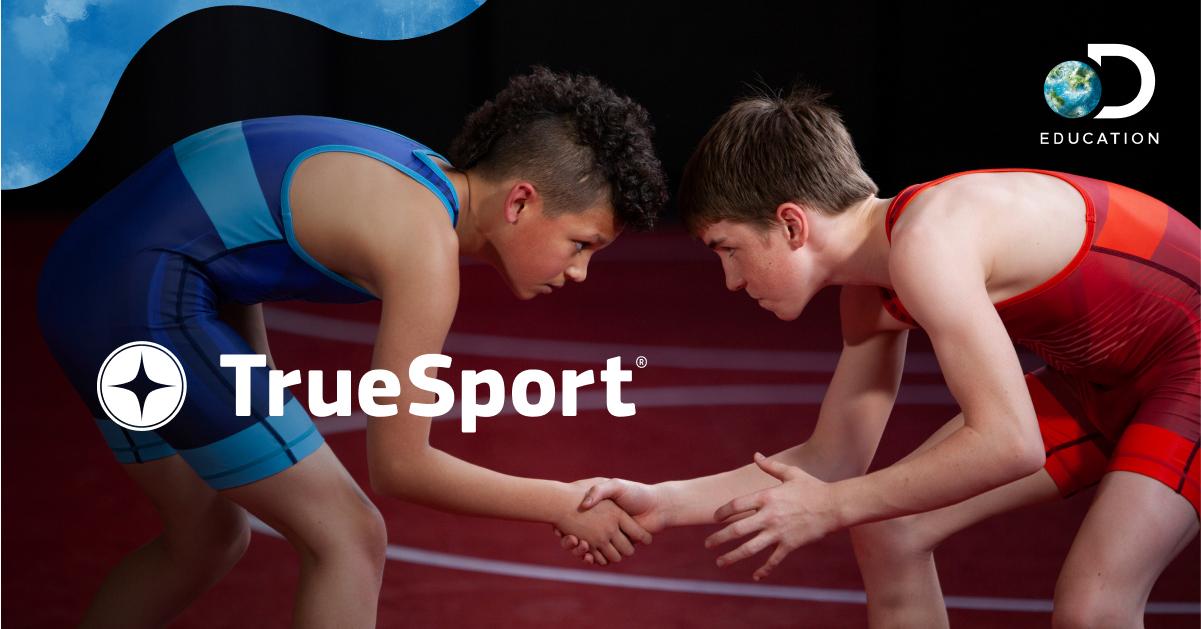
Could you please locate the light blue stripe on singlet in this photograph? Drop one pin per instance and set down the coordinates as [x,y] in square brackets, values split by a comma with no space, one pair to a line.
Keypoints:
[286,206]
[254,453]
[217,165]
[425,156]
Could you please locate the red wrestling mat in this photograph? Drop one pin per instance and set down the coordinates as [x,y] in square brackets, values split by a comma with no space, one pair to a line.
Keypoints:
[69,513]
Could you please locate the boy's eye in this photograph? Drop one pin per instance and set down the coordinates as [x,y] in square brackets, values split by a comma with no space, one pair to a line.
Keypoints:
[580,245]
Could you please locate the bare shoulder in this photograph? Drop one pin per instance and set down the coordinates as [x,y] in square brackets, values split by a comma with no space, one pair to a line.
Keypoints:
[947,211]
[940,249]
[369,221]
[1011,229]
[862,313]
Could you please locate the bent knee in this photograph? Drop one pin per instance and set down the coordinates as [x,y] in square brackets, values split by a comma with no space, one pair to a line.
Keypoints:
[373,534]
[356,535]
[217,536]
[1080,607]
[897,538]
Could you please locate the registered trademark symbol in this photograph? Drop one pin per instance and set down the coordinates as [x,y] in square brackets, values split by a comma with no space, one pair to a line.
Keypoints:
[640,361]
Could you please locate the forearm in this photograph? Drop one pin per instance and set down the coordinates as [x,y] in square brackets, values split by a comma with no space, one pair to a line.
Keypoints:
[436,479]
[965,464]
[693,501]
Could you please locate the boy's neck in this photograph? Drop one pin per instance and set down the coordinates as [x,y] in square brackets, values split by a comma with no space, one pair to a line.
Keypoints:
[472,190]
[861,256]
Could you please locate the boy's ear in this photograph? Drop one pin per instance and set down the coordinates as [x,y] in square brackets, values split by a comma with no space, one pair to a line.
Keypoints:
[795,220]
[521,196]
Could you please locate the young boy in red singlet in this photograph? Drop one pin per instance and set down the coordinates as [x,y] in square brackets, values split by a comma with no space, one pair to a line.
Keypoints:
[1099,280]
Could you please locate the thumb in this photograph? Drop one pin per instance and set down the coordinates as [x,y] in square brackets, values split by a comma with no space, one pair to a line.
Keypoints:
[775,468]
[597,493]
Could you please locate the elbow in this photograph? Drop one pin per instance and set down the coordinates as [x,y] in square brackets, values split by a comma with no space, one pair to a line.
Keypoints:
[1024,456]
[1034,460]
[395,481]
[383,482]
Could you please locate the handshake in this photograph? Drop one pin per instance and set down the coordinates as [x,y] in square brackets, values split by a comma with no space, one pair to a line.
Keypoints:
[614,514]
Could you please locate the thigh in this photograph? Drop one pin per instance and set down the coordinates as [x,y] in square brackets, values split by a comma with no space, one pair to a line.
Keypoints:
[89,305]
[316,504]
[1075,460]
[1162,440]
[226,449]
[1134,528]
[191,510]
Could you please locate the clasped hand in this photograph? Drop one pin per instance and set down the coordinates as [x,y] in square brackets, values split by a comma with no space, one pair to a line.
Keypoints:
[799,510]
[607,531]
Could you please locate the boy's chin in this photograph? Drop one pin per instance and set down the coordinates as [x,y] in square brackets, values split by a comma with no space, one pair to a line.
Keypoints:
[783,313]
[786,316]
[524,294]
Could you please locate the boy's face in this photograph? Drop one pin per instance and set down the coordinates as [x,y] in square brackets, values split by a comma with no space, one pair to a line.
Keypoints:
[539,253]
[764,263]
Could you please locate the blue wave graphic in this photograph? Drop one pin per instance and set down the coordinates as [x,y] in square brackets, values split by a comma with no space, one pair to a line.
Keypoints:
[62,58]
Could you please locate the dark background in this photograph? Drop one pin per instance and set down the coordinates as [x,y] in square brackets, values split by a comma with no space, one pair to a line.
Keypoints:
[925,91]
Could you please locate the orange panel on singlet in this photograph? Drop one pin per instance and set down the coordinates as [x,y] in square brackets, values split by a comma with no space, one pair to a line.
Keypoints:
[1135,224]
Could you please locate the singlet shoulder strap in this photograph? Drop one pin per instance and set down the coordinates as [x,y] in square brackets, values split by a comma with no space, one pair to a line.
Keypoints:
[898,204]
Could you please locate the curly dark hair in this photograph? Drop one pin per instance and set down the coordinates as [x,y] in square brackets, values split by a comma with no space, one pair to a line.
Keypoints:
[576,139]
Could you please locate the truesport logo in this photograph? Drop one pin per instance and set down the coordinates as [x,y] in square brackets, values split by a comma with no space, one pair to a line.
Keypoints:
[141,385]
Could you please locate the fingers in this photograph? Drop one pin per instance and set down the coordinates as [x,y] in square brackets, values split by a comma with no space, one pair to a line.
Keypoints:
[776,557]
[782,471]
[608,489]
[758,543]
[623,545]
[594,557]
[738,516]
[633,529]
[749,502]
[734,531]
[610,552]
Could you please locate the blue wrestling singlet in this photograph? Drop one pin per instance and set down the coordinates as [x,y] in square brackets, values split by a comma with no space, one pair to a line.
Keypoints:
[206,221]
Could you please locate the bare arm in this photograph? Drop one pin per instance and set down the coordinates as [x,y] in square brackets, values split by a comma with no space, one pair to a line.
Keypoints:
[402,461]
[939,271]
[418,283]
[999,441]
[853,414]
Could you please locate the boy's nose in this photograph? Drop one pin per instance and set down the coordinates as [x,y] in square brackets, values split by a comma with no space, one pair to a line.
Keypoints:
[734,283]
[577,272]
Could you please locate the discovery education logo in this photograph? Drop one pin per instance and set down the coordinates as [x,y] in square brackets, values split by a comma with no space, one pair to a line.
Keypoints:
[1072,90]
[141,385]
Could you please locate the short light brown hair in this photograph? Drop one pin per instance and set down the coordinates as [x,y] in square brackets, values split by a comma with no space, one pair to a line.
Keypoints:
[767,150]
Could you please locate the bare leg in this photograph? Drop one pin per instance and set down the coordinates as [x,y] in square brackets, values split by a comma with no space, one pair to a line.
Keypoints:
[896,557]
[203,536]
[1133,530]
[337,531]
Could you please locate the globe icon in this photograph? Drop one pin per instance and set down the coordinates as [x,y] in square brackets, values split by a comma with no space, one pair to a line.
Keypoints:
[1072,89]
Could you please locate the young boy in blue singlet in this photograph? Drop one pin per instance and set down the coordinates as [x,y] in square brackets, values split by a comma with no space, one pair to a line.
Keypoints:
[184,251]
